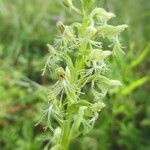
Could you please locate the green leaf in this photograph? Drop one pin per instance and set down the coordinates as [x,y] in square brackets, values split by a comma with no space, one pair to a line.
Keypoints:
[134,85]
[141,57]
[74,107]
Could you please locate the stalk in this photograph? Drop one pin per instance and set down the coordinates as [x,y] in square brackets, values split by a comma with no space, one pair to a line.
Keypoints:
[65,136]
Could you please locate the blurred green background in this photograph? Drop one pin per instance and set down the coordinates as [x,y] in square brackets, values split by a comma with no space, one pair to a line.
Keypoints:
[26,26]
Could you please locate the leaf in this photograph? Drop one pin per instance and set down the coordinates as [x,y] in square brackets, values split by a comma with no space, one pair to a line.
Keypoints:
[74,107]
[134,85]
[141,57]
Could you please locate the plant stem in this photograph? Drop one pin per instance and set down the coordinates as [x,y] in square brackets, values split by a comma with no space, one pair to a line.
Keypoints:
[66,136]
[79,61]
[65,139]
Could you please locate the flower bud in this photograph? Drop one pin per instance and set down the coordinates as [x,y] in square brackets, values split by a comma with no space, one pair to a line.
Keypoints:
[67,3]
[60,26]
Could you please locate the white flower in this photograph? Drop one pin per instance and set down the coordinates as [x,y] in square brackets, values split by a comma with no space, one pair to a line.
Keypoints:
[67,38]
[91,31]
[101,15]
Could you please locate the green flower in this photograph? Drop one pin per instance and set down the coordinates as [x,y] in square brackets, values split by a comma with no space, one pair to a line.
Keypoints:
[78,60]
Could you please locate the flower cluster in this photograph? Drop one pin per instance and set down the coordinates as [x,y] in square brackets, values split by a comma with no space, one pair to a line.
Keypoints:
[79,60]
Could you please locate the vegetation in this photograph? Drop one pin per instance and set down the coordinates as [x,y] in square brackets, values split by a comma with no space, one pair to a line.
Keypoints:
[124,122]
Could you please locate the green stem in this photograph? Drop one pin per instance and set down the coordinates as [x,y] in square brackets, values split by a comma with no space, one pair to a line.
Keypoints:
[65,139]
[80,63]
[66,135]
